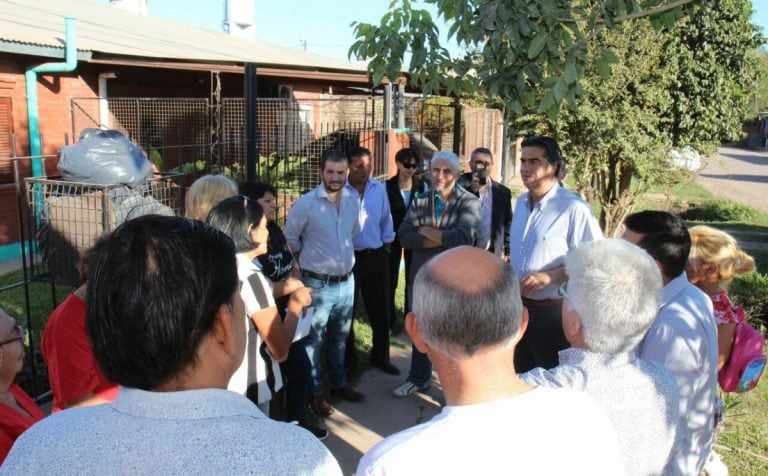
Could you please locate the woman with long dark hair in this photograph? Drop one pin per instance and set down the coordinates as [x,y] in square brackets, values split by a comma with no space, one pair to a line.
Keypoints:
[279,265]
[269,336]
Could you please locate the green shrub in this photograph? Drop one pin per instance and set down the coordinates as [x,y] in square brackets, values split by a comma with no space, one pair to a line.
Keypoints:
[751,292]
[720,210]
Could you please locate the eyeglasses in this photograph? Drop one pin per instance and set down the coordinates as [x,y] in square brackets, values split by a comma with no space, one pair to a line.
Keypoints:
[20,337]
[410,165]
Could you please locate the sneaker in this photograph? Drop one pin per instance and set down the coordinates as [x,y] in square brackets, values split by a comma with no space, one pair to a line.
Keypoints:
[347,393]
[319,433]
[321,407]
[408,388]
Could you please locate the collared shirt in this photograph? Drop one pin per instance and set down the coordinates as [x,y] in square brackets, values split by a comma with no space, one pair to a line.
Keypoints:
[206,431]
[323,233]
[630,390]
[683,338]
[486,214]
[375,218]
[540,238]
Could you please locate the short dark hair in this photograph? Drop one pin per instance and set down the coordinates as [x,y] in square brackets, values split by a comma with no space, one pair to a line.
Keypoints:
[481,150]
[359,152]
[408,153]
[551,149]
[664,237]
[235,216]
[256,189]
[153,294]
[333,155]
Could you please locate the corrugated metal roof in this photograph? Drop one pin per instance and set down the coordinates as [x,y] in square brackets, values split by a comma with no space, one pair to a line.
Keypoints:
[104,30]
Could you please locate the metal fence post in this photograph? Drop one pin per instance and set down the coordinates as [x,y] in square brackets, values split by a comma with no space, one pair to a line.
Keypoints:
[251,122]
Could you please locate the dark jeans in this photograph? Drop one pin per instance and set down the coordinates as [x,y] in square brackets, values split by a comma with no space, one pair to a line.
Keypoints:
[394,275]
[543,339]
[296,372]
[372,281]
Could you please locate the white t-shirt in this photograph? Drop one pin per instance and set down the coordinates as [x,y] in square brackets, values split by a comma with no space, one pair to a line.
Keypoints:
[543,431]
[256,291]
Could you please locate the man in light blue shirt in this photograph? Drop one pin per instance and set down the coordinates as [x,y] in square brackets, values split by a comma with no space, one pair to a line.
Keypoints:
[168,325]
[548,221]
[372,248]
[320,228]
[683,337]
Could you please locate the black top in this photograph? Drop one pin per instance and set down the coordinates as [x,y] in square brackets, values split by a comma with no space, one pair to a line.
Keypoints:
[396,203]
[277,263]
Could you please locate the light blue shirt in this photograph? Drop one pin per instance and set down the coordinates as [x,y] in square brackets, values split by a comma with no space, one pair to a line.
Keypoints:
[683,338]
[630,390]
[208,431]
[540,238]
[375,217]
[323,233]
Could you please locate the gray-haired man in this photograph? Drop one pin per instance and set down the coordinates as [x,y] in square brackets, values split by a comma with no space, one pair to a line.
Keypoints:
[468,317]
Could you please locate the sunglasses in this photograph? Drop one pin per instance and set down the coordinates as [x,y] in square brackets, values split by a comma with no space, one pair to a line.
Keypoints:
[410,165]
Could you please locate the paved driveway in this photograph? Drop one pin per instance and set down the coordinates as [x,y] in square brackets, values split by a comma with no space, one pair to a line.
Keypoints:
[739,174]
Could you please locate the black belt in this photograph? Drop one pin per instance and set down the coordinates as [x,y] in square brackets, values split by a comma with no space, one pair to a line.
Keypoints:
[541,302]
[369,251]
[325,277]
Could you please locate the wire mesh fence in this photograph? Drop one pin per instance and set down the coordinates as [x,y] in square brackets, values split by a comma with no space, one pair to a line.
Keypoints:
[65,218]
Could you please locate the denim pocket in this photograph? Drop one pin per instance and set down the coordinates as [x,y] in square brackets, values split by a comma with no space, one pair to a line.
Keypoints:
[313,283]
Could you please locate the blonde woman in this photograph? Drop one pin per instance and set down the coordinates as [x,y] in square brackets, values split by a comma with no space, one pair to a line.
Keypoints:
[205,193]
[715,259]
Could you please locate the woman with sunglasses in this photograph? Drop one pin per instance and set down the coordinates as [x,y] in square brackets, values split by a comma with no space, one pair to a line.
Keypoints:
[269,337]
[18,411]
[401,190]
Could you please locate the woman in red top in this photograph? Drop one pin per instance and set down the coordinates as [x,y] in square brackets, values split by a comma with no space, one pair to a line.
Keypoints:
[18,411]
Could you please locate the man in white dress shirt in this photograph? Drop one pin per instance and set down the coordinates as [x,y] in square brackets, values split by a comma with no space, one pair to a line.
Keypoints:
[548,222]
[467,317]
[683,337]
[610,302]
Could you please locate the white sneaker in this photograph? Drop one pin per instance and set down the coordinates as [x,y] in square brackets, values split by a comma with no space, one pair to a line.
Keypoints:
[408,388]
[715,466]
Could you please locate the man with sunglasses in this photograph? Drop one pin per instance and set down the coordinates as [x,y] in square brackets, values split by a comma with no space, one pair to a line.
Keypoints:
[496,211]
[444,217]
[548,222]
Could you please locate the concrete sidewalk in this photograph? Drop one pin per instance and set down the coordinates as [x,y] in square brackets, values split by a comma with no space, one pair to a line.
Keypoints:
[356,427]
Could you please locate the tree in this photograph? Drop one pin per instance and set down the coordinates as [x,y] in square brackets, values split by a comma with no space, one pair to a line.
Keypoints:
[712,51]
[513,48]
[759,101]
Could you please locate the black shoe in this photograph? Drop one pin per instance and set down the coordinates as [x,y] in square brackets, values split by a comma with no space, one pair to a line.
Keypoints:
[321,407]
[347,393]
[386,367]
[320,433]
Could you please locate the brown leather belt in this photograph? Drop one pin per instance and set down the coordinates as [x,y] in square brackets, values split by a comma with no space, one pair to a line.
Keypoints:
[527,302]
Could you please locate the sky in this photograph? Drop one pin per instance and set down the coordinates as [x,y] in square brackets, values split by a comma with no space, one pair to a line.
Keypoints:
[323,25]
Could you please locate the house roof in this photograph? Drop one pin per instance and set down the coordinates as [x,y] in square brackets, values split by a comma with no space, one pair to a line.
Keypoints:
[36,27]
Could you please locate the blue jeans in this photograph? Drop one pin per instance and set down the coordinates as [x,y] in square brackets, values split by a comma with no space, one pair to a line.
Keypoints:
[330,322]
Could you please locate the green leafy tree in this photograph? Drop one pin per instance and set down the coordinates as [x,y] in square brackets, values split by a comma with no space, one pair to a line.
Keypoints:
[712,50]
[617,133]
[759,100]
[513,49]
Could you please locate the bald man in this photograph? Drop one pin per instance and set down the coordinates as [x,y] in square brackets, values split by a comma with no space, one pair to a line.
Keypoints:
[468,317]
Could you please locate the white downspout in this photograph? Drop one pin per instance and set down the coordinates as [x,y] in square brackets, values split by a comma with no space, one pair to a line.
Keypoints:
[105,121]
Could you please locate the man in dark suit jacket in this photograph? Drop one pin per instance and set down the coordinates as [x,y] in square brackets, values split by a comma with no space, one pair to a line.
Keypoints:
[493,234]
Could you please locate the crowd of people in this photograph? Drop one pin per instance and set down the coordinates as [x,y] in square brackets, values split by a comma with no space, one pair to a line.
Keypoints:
[558,351]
